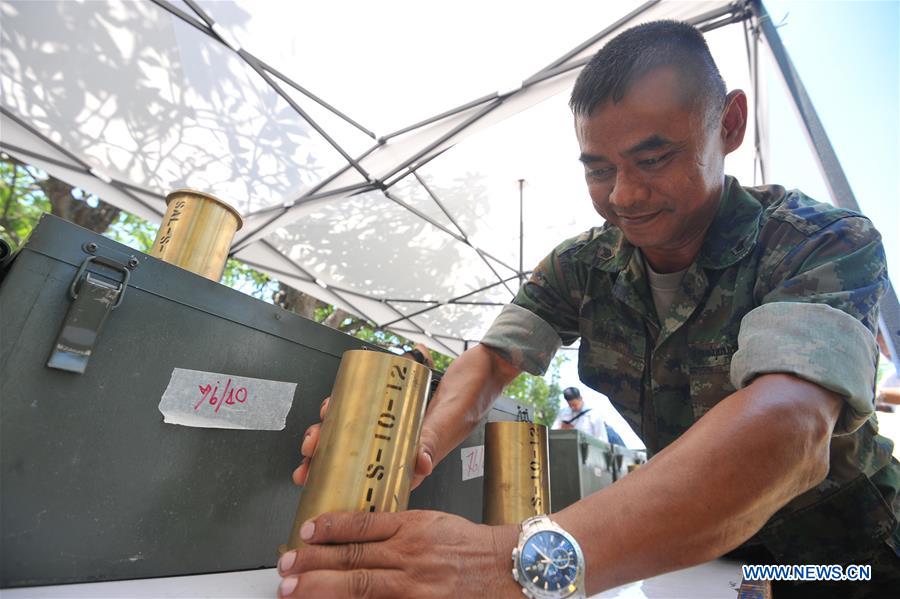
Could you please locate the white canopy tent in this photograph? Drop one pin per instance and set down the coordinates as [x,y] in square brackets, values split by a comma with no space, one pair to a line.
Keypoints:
[427,230]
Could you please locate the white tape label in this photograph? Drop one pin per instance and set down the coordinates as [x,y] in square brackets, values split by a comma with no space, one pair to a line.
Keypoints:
[472,461]
[213,400]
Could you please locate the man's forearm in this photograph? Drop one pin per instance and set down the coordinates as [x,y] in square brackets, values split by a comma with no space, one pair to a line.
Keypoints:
[713,488]
[464,396]
[890,395]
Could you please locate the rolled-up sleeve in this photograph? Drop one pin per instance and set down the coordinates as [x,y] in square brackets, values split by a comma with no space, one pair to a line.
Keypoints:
[817,343]
[818,314]
[544,314]
[523,339]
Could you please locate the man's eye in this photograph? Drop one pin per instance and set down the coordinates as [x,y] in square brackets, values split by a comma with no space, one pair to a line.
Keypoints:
[655,160]
[600,173]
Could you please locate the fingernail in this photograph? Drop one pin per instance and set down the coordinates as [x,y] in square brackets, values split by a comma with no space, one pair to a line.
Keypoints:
[307,530]
[286,561]
[430,459]
[287,586]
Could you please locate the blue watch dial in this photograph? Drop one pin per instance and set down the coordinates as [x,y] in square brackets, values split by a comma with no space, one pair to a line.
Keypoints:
[549,562]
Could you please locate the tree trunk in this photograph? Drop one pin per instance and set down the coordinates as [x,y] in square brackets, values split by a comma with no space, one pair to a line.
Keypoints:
[296,301]
[64,205]
[306,305]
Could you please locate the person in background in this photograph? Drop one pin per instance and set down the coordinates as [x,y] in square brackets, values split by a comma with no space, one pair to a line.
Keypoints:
[578,415]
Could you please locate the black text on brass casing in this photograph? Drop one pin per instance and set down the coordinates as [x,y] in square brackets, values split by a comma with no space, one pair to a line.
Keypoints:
[196,232]
[516,472]
[366,453]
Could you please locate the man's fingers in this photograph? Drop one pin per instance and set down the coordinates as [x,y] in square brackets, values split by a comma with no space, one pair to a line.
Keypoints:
[351,527]
[355,584]
[308,446]
[424,466]
[301,472]
[310,441]
[345,556]
[307,449]
[428,443]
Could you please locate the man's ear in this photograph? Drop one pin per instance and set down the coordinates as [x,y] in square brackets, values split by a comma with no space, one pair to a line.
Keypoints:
[734,120]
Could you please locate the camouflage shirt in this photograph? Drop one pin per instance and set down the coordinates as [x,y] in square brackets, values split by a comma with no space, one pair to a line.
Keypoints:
[781,284]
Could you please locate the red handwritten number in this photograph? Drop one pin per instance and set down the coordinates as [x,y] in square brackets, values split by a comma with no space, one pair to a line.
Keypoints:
[237,394]
[230,395]
[204,389]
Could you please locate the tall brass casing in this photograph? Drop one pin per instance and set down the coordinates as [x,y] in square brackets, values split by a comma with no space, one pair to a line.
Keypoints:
[366,454]
[516,472]
[196,232]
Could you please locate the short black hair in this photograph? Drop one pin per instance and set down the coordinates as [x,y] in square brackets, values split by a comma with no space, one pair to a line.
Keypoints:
[571,393]
[640,49]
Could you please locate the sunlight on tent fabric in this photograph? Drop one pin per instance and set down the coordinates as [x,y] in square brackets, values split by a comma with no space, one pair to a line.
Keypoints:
[414,228]
[392,64]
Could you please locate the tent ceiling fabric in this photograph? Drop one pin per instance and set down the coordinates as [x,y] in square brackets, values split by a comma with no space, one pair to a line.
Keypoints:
[417,231]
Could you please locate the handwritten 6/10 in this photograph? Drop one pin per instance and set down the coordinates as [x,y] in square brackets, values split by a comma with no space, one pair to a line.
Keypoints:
[230,395]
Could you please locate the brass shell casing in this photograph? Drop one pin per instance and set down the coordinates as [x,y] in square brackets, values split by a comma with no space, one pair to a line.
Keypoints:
[366,454]
[196,233]
[516,472]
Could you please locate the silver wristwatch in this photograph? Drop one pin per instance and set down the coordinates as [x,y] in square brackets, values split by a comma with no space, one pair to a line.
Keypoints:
[548,562]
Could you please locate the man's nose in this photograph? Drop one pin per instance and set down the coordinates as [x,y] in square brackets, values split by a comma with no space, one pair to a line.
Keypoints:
[628,193]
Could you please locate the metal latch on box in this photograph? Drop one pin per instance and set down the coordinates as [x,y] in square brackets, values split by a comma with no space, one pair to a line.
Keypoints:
[94,299]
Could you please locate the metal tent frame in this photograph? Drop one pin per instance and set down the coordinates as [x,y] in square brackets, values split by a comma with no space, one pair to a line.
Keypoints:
[757,27]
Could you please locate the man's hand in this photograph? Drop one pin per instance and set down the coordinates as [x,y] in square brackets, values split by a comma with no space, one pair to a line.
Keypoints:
[464,396]
[424,461]
[393,555]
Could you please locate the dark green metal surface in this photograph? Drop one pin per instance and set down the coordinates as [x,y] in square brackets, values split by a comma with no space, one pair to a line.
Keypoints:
[579,465]
[93,485]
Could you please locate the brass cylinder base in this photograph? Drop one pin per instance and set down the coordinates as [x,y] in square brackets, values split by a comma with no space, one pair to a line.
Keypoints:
[366,454]
[196,233]
[516,472]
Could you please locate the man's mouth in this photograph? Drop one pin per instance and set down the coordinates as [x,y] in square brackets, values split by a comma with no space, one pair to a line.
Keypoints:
[638,219]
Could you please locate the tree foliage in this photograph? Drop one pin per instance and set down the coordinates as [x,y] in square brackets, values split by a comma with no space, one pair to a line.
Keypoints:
[539,395]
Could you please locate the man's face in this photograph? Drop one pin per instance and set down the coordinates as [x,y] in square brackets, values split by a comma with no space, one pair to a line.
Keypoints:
[653,166]
[575,403]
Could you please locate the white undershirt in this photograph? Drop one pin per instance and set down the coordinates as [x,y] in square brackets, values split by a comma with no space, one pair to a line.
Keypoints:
[663,287]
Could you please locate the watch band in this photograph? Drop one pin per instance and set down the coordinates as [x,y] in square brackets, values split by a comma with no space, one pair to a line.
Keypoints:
[535,523]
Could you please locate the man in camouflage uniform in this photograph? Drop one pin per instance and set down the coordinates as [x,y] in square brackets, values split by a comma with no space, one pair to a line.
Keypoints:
[732,327]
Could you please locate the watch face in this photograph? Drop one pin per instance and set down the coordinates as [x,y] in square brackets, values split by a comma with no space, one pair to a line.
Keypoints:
[549,562]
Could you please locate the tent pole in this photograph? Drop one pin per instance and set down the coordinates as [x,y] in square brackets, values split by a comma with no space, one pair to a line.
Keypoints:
[12,149]
[441,116]
[835,179]
[241,243]
[311,278]
[465,237]
[439,204]
[444,138]
[438,305]
[84,165]
[521,232]
[210,31]
[459,237]
[593,40]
